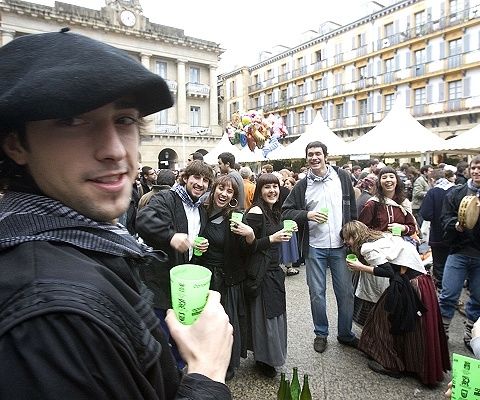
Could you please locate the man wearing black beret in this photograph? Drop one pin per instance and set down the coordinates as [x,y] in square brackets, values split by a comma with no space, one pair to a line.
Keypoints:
[75,319]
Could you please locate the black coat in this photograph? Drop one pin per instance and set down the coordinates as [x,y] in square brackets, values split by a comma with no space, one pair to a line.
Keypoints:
[77,324]
[157,222]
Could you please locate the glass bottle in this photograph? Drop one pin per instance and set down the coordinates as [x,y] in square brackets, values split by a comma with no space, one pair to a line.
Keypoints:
[281,388]
[305,395]
[295,385]
[288,394]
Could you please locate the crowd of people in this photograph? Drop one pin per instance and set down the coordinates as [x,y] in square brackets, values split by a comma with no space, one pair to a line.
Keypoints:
[88,237]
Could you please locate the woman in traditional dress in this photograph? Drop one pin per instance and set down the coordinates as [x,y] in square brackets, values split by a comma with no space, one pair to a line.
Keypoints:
[387,209]
[404,332]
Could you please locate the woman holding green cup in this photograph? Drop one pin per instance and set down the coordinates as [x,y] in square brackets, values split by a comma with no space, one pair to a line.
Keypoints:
[388,211]
[227,236]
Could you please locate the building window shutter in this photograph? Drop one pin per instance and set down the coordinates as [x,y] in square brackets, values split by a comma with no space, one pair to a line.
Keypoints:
[429,53]
[379,103]
[379,67]
[397,62]
[345,109]
[369,104]
[466,87]
[466,43]
[441,90]
[407,59]
[429,94]
[407,97]
[442,50]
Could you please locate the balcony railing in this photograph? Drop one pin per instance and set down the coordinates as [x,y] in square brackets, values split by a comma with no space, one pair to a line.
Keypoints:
[419,70]
[361,51]
[166,129]
[339,123]
[420,109]
[320,93]
[337,89]
[364,119]
[320,64]
[454,105]
[338,58]
[299,72]
[389,77]
[299,99]
[200,130]
[284,77]
[454,61]
[197,90]
[172,85]
[255,86]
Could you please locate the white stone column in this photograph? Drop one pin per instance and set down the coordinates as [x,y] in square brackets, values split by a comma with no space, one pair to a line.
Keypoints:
[181,93]
[7,36]
[213,96]
[145,59]
[182,105]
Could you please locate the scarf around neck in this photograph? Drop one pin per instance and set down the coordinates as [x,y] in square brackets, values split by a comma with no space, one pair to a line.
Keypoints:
[443,183]
[26,217]
[182,192]
[473,188]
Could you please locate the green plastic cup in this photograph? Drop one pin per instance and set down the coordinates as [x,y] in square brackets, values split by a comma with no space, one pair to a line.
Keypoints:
[324,210]
[351,257]
[189,285]
[196,242]
[288,225]
[396,231]
[236,216]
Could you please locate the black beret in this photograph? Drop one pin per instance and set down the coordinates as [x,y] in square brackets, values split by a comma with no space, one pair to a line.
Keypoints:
[60,74]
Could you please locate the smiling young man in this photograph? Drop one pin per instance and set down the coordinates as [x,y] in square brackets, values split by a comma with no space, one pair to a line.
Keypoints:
[321,203]
[463,260]
[170,222]
[75,318]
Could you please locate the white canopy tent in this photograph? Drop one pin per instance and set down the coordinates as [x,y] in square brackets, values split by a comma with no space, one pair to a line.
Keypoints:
[468,141]
[246,155]
[223,145]
[317,130]
[399,133]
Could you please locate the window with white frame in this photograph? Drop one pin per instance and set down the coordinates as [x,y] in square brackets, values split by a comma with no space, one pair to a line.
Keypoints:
[339,111]
[194,75]
[283,94]
[420,56]
[388,99]
[453,9]
[420,18]
[194,116]
[388,29]
[233,89]
[389,65]
[362,107]
[455,90]
[161,69]
[301,89]
[301,118]
[420,96]
[161,118]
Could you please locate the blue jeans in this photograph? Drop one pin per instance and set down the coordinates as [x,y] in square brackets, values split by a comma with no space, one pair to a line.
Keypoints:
[317,262]
[457,269]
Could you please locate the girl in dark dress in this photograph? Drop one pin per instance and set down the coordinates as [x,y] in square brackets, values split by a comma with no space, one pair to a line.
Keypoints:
[225,257]
[268,318]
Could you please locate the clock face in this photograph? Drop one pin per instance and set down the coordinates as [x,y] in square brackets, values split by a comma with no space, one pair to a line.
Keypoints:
[128,18]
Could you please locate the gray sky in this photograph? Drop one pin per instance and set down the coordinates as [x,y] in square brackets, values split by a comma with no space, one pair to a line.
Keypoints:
[247,27]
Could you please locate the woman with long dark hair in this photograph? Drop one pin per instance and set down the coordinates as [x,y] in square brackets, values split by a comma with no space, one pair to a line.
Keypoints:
[386,211]
[404,332]
[267,308]
[226,259]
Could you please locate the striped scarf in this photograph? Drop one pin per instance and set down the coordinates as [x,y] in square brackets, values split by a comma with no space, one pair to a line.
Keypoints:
[26,217]
[182,192]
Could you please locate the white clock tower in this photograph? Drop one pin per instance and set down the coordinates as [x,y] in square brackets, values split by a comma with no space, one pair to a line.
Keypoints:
[126,13]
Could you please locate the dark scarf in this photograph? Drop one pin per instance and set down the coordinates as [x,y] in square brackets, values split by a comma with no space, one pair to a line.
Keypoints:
[26,217]
[182,192]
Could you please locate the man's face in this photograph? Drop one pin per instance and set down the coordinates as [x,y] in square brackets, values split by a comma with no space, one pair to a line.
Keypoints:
[196,186]
[315,159]
[224,168]
[475,173]
[428,173]
[88,162]
[151,176]
[357,172]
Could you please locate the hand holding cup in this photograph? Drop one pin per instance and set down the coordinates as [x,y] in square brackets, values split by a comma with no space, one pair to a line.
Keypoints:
[200,245]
